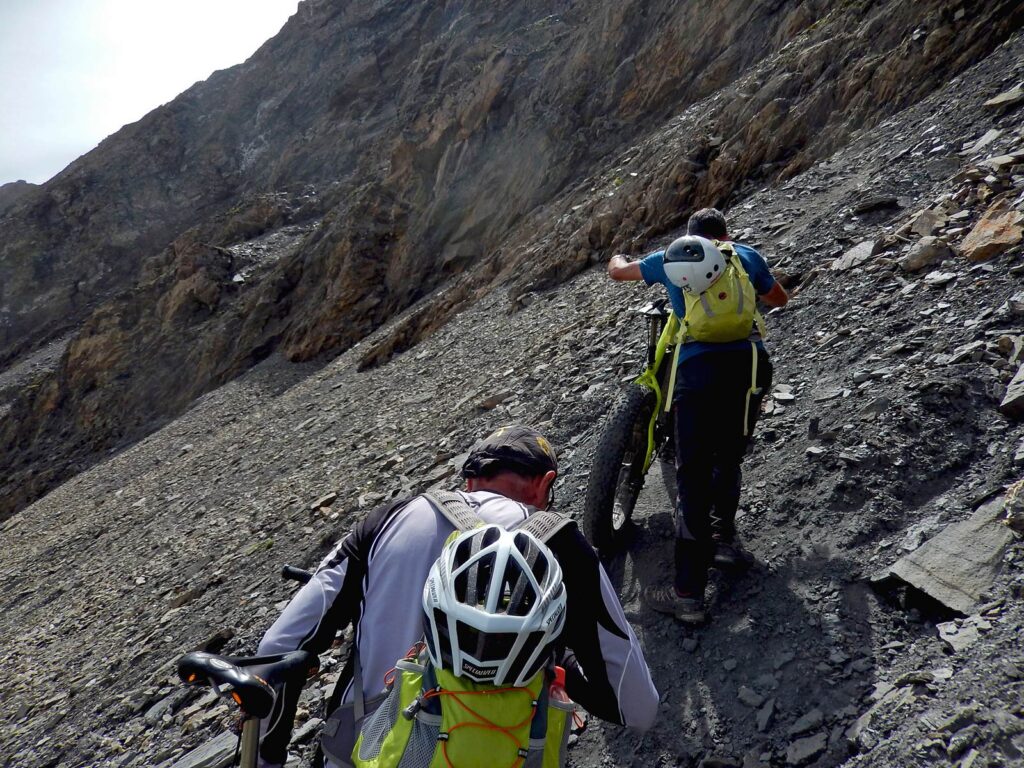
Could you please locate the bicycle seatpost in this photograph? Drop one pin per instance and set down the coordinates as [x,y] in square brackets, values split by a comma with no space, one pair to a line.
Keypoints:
[250,743]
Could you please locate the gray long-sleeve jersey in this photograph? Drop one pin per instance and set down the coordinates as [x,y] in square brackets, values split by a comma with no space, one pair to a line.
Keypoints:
[374,580]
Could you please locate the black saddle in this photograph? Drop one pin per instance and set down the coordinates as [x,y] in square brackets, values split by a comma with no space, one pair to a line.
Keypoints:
[248,680]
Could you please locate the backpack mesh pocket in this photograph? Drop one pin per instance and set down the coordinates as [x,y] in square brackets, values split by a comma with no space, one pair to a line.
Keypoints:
[378,725]
[422,743]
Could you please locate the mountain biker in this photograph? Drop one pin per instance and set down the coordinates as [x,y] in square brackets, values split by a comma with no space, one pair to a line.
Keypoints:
[374,580]
[712,378]
[482,690]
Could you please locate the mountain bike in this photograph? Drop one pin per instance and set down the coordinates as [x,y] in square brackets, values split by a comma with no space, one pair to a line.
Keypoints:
[636,431]
[250,681]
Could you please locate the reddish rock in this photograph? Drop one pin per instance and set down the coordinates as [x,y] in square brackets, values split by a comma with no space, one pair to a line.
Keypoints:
[999,229]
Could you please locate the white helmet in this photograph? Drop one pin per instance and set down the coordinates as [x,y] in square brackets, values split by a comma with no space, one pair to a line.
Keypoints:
[693,263]
[494,603]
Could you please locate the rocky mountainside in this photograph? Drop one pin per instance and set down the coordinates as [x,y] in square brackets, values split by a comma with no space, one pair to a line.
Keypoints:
[426,153]
[12,192]
[893,423]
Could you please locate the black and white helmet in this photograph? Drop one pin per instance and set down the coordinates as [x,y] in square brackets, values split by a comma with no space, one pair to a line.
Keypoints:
[693,263]
[494,603]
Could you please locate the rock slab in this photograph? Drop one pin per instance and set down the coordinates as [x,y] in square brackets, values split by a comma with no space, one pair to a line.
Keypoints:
[1013,401]
[999,229]
[957,565]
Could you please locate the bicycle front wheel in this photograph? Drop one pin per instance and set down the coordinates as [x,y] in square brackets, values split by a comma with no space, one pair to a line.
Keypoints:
[617,473]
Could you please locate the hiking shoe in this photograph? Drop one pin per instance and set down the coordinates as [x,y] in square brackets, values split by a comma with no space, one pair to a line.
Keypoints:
[689,610]
[731,556]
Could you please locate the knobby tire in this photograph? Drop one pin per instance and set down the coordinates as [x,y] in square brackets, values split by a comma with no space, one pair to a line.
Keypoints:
[617,472]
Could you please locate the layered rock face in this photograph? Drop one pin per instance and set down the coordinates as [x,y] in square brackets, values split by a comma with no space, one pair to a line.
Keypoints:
[398,148]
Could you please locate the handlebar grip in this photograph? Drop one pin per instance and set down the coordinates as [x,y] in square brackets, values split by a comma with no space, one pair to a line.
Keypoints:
[292,573]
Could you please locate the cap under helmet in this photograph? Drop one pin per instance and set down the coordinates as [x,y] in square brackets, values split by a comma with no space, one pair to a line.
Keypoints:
[693,263]
[493,604]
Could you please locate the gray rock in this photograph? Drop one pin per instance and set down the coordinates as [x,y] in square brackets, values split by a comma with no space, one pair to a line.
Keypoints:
[750,697]
[765,715]
[924,253]
[957,566]
[218,753]
[807,723]
[927,222]
[856,256]
[1012,404]
[804,750]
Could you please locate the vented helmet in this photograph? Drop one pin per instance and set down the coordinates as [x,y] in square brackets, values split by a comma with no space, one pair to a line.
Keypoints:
[493,604]
[693,263]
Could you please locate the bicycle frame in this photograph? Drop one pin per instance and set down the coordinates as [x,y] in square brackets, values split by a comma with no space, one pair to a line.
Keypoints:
[650,377]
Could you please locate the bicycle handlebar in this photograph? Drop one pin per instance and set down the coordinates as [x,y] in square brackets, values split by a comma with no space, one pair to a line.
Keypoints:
[290,572]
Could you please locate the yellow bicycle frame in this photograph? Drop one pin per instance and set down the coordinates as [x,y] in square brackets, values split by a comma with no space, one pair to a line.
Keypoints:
[649,379]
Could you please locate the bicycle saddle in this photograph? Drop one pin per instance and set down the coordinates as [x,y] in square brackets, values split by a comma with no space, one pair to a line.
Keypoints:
[248,680]
[656,308]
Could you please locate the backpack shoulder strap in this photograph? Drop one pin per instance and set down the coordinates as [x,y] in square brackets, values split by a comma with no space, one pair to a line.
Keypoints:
[455,509]
[544,524]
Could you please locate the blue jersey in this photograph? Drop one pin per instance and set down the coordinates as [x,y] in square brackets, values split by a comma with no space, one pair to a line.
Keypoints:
[652,268]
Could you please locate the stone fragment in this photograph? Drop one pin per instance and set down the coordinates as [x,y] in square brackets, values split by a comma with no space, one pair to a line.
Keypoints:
[324,501]
[961,635]
[856,256]
[807,723]
[874,203]
[307,729]
[927,222]
[216,753]
[939,279]
[997,230]
[972,351]
[990,135]
[765,715]
[804,750]
[1000,162]
[690,644]
[957,565]
[750,697]
[924,253]
[720,761]
[1012,404]
[915,677]
[1016,304]
[494,401]
[186,597]
[1007,99]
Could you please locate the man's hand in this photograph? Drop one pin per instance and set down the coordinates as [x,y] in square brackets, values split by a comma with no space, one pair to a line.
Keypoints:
[776,297]
[621,268]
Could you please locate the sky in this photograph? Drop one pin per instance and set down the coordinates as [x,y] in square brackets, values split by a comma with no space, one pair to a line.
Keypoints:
[72,72]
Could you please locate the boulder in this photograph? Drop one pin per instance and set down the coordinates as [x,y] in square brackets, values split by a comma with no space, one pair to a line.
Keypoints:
[927,222]
[1007,99]
[1012,405]
[856,256]
[998,230]
[957,565]
[924,253]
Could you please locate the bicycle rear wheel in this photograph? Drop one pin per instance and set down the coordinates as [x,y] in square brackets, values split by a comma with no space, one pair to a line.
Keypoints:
[617,473]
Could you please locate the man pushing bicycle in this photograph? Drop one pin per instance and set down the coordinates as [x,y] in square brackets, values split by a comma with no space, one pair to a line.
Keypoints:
[722,373]
[376,580]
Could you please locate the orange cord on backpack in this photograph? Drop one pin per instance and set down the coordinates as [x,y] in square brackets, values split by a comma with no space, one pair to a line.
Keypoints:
[483,721]
[411,655]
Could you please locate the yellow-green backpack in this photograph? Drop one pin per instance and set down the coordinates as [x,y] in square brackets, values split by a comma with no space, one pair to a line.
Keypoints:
[432,719]
[727,310]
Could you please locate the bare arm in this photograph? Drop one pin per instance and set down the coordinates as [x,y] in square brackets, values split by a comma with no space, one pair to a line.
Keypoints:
[620,268]
[776,297]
